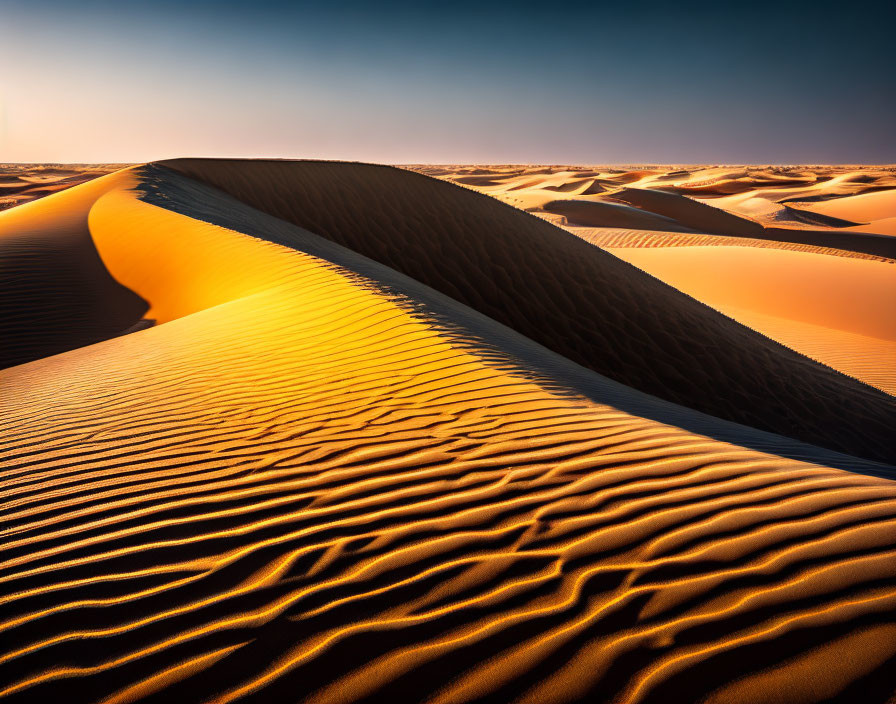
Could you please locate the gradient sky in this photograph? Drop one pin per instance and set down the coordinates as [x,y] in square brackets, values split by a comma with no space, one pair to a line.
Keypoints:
[401,82]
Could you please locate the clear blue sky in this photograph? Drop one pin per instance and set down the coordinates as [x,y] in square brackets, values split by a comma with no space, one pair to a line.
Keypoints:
[546,82]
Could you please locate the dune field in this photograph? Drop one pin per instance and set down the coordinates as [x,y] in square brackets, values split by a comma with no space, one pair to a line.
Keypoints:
[22,183]
[297,431]
[718,227]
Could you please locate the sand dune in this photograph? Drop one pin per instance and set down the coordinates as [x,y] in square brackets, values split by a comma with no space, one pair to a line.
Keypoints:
[874,212]
[865,207]
[503,263]
[22,183]
[703,182]
[585,213]
[55,292]
[836,310]
[884,226]
[787,209]
[317,479]
[617,238]
[864,357]
[693,214]
[781,204]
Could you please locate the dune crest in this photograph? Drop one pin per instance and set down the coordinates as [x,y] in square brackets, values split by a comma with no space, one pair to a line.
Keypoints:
[802,205]
[602,313]
[55,292]
[790,209]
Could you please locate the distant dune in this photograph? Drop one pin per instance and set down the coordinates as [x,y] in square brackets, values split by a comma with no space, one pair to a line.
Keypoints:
[22,183]
[844,301]
[331,432]
[865,207]
[619,215]
[753,202]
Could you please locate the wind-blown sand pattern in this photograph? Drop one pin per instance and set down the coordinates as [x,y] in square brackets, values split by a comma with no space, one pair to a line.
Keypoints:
[307,476]
[619,238]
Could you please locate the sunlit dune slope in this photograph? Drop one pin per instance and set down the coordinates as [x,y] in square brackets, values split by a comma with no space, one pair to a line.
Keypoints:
[558,290]
[837,310]
[887,226]
[870,359]
[318,480]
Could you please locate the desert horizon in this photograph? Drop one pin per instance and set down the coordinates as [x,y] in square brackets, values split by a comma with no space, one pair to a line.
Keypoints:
[413,380]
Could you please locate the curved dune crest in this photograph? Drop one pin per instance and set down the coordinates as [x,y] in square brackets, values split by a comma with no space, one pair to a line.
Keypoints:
[55,292]
[304,485]
[559,291]
[869,359]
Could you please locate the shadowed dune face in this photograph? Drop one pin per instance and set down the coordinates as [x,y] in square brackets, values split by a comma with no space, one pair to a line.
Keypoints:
[305,486]
[603,214]
[563,293]
[694,214]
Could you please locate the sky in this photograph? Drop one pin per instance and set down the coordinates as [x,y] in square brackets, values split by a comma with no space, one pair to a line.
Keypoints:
[464,82]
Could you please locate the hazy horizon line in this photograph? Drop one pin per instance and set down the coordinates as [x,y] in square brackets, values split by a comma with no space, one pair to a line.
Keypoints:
[584,164]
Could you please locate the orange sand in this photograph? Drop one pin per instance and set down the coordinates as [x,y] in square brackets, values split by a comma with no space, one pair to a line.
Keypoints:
[839,299]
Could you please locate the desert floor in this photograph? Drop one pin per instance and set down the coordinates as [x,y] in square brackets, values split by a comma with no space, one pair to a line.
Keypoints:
[281,431]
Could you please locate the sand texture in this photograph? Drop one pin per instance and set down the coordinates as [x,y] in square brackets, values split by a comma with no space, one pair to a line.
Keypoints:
[330,432]
[837,310]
